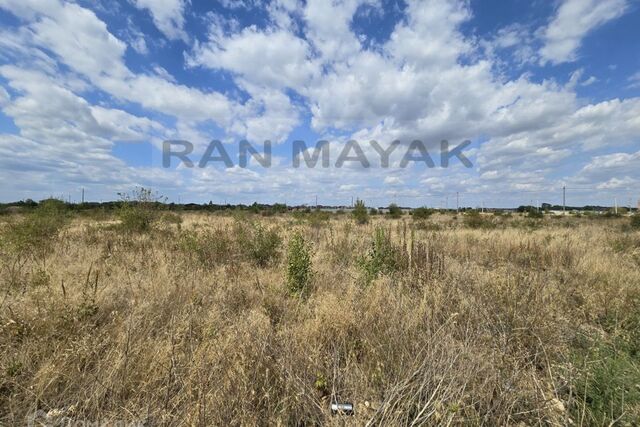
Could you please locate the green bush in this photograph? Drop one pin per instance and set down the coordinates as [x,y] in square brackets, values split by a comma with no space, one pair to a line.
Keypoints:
[421,213]
[635,221]
[394,211]
[207,249]
[256,243]
[318,218]
[606,385]
[473,219]
[535,213]
[299,271]
[360,214]
[383,257]
[36,232]
[138,210]
[279,208]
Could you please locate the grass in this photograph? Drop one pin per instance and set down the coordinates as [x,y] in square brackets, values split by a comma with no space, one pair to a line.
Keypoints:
[479,320]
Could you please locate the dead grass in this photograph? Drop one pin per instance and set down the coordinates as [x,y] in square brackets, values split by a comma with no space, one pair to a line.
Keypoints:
[183,325]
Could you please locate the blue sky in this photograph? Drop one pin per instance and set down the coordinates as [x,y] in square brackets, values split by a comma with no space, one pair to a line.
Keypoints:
[547,91]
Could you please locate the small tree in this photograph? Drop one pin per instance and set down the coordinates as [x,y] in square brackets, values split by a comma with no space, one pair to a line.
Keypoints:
[139,210]
[383,257]
[360,213]
[394,211]
[299,271]
[422,213]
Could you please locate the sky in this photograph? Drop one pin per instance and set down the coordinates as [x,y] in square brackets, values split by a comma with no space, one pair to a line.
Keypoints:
[547,92]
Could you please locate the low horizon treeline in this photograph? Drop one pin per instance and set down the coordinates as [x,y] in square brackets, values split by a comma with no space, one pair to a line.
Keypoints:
[283,208]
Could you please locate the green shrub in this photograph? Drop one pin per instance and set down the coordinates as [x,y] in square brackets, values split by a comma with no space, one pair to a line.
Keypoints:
[207,249]
[254,208]
[299,271]
[256,243]
[383,257]
[615,213]
[635,221]
[535,213]
[394,211]
[36,232]
[426,225]
[138,210]
[473,219]
[360,214]
[421,213]
[606,385]
[279,208]
[318,218]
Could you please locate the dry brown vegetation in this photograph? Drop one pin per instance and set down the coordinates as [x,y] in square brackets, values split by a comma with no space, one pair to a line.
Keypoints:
[217,320]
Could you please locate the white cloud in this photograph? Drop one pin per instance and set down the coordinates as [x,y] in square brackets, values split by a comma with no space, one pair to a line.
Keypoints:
[4,97]
[428,81]
[415,86]
[575,19]
[275,58]
[168,16]
[82,41]
[239,4]
[43,108]
[611,171]
[393,181]
[328,27]
[65,142]
[430,38]
[634,80]
[269,115]
[139,45]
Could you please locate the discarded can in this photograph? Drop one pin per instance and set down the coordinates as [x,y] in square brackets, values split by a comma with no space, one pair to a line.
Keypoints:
[341,408]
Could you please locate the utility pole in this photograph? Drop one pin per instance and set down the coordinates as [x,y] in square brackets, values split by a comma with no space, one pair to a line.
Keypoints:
[446,202]
[457,202]
[564,199]
[615,201]
[316,201]
[83,195]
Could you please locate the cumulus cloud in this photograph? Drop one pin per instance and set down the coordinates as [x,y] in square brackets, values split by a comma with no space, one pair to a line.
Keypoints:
[305,65]
[275,58]
[82,42]
[168,16]
[64,141]
[573,21]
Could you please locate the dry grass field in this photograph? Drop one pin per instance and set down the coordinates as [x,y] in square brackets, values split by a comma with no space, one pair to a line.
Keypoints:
[203,319]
